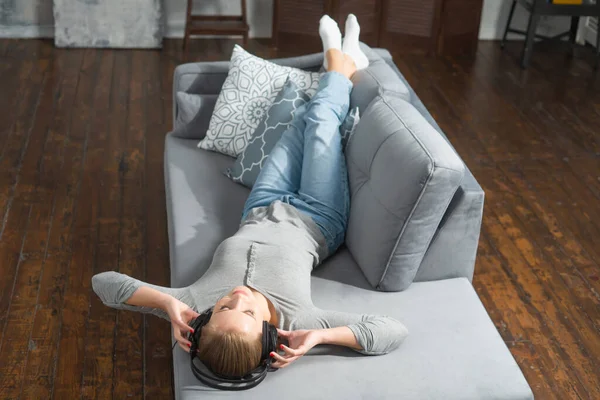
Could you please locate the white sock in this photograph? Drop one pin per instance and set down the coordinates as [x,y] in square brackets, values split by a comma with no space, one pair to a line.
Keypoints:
[351,46]
[330,36]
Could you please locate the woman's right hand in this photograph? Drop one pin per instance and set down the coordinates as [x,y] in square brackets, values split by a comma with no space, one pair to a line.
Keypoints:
[180,314]
[299,343]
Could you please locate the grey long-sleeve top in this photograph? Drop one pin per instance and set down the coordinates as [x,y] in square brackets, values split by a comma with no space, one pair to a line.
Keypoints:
[273,252]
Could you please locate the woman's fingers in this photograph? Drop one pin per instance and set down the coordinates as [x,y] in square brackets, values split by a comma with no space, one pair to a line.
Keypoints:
[191,314]
[283,333]
[179,337]
[184,347]
[280,361]
[183,326]
[289,350]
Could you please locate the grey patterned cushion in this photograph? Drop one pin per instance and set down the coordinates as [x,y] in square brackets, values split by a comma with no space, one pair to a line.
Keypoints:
[349,126]
[249,90]
[246,168]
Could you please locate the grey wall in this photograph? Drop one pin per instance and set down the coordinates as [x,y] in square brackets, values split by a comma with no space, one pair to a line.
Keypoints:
[33,18]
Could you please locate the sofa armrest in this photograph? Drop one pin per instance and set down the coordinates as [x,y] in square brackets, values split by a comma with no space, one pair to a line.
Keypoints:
[198,78]
[453,249]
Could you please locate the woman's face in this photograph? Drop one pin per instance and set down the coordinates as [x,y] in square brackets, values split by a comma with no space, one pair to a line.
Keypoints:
[237,311]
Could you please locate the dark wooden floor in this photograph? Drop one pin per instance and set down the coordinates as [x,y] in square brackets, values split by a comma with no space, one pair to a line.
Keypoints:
[81,191]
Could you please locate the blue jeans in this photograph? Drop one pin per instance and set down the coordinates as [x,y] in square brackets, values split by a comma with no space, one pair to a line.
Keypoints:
[307,168]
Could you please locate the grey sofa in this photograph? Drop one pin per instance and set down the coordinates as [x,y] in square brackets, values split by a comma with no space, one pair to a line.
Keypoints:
[453,350]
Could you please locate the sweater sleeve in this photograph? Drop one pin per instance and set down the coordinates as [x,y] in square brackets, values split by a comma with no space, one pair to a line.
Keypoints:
[114,289]
[376,334]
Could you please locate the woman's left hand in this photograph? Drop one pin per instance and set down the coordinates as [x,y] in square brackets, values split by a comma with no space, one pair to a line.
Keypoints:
[180,314]
[300,342]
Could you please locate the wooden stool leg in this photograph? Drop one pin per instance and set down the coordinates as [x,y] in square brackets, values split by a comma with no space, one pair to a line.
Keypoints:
[510,15]
[186,33]
[245,40]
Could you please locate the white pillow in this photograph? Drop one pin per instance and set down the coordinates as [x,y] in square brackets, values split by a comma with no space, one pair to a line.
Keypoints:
[249,90]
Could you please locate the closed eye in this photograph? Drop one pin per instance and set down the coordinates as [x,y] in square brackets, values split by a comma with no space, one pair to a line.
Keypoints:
[248,312]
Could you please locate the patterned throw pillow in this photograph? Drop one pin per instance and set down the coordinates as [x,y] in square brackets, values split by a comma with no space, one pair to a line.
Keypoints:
[349,126]
[249,90]
[277,119]
[246,168]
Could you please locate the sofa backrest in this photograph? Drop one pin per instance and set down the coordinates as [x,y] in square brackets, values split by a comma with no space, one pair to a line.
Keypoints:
[375,80]
[452,251]
[402,177]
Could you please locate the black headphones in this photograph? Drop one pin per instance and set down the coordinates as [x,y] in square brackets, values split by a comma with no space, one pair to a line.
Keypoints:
[218,381]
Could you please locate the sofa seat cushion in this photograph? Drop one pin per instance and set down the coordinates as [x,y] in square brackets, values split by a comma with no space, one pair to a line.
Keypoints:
[453,350]
[203,206]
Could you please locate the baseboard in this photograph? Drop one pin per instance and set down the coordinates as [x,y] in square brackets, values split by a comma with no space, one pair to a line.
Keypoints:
[173,30]
[27,31]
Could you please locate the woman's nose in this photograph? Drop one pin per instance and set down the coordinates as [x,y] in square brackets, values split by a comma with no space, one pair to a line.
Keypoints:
[236,303]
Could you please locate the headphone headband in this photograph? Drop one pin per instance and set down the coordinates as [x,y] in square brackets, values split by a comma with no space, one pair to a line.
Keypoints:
[218,381]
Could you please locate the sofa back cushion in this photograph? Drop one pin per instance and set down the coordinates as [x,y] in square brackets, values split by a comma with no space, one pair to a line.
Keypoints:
[402,176]
[193,114]
[374,80]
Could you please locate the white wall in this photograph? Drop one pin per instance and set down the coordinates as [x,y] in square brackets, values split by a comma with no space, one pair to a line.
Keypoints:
[26,18]
[495,14]
[33,18]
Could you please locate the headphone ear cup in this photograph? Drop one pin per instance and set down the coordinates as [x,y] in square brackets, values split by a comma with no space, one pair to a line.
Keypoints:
[266,353]
[272,337]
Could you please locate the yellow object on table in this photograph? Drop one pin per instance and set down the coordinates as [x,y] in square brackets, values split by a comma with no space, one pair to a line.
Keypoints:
[567,1]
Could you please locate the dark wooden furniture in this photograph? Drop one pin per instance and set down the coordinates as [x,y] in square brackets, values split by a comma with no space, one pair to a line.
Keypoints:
[214,25]
[424,26]
[538,8]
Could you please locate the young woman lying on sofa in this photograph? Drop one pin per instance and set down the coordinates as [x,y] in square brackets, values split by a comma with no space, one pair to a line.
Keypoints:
[295,217]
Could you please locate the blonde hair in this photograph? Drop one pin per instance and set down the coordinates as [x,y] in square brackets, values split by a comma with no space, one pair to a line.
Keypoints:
[229,353]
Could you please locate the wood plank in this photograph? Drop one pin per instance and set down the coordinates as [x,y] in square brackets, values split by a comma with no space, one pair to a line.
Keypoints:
[129,346]
[77,277]
[17,132]
[550,337]
[515,312]
[546,287]
[158,360]
[98,369]
[553,123]
[45,334]
[39,375]
[35,177]
[18,282]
